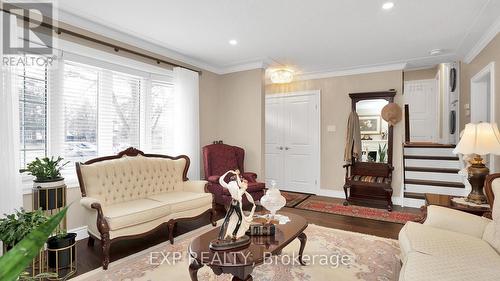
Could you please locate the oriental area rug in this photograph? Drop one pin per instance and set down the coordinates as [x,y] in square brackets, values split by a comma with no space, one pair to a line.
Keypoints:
[331,255]
[319,205]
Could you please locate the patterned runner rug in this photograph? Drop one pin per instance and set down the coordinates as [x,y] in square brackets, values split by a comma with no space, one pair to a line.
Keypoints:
[294,198]
[319,205]
[332,255]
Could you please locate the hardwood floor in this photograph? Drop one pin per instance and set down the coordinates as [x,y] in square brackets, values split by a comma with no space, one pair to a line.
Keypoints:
[89,258]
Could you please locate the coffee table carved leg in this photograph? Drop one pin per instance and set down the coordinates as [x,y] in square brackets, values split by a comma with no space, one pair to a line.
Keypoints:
[193,269]
[303,239]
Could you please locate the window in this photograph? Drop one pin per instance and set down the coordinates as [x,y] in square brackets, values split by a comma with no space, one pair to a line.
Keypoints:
[79,100]
[31,84]
[87,109]
[162,117]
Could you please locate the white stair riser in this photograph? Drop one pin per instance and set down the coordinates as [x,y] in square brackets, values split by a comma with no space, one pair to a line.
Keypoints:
[435,189]
[433,176]
[451,164]
[429,151]
[413,203]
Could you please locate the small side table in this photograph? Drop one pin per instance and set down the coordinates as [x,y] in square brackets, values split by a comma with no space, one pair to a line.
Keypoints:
[445,201]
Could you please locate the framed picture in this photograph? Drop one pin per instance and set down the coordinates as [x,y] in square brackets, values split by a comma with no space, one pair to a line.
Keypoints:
[369,125]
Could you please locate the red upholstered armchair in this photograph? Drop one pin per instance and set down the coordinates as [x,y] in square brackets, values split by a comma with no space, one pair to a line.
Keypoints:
[218,159]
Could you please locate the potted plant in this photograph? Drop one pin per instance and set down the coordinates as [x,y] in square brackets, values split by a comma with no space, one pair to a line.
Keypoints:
[382,152]
[14,227]
[61,249]
[14,262]
[49,188]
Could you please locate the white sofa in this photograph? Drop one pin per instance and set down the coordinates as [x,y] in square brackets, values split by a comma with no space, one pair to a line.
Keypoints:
[132,194]
[453,245]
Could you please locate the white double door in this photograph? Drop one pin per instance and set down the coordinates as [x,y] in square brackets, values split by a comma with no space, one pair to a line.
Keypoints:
[292,143]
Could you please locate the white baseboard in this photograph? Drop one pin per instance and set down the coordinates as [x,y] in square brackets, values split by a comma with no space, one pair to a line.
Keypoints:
[396,200]
[81,232]
[331,193]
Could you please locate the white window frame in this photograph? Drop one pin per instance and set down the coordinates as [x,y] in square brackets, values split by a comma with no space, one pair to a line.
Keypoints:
[104,60]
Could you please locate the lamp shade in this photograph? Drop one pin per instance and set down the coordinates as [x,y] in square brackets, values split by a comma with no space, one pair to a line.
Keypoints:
[482,139]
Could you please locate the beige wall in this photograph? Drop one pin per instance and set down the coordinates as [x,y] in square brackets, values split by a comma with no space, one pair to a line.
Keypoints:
[420,74]
[241,115]
[489,54]
[209,98]
[335,108]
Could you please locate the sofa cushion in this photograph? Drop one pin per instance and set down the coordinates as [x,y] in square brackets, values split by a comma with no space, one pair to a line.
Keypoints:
[370,179]
[180,201]
[423,267]
[134,212]
[415,237]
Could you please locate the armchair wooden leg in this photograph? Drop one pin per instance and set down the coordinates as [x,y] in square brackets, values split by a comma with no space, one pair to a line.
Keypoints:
[171,227]
[105,243]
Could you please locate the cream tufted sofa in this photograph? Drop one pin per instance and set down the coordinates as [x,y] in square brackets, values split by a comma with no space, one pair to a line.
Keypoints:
[133,193]
[453,245]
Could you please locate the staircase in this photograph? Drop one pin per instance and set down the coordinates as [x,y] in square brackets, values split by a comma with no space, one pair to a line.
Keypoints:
[431,168]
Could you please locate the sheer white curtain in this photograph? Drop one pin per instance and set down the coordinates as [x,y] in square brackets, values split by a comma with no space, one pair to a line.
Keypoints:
[10,186]
[187,129]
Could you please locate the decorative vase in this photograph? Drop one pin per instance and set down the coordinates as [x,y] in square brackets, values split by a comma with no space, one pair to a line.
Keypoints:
[273,201]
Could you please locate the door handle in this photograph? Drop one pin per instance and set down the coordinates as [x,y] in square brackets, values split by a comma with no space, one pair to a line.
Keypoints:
[280,147]
[287,148]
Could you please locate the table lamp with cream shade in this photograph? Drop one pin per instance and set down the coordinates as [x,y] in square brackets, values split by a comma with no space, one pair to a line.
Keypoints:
[477,140]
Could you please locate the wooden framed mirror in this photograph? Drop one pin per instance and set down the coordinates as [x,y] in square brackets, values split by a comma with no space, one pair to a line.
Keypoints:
[368,179]
[374,130]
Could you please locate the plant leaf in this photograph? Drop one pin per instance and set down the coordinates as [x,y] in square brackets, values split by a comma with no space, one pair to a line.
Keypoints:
[15,261]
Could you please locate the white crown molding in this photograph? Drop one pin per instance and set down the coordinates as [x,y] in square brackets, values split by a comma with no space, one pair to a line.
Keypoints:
[351,71]
[490,33]
[243,67]
[91,23]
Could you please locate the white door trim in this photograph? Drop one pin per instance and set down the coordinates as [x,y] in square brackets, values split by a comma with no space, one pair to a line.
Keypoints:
[317,153]
[487,70]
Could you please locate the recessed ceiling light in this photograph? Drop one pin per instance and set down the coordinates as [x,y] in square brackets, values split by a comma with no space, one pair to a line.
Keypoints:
[233,42]
[435,52]
[388,5]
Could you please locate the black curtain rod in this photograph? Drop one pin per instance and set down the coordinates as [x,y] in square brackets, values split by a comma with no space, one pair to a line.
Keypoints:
[117,48]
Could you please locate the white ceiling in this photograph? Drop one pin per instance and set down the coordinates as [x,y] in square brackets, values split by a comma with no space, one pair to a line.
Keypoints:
[313,36]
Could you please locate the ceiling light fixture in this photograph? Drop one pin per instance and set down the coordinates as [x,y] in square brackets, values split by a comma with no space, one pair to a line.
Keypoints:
[233,42]
[388,5]
[282,76]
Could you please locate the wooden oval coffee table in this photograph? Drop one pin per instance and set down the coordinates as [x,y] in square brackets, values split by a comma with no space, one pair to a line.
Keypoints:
[240,263]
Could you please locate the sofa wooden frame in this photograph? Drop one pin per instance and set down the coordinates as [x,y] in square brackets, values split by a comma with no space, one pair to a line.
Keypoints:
[102,224]
[488,190]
